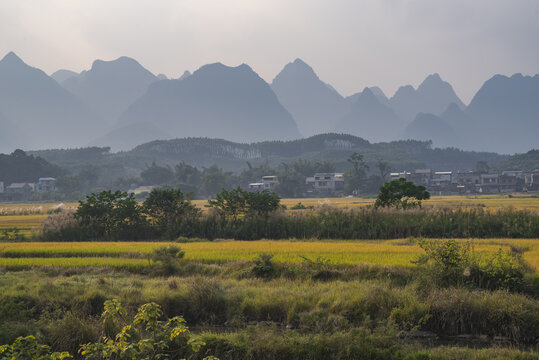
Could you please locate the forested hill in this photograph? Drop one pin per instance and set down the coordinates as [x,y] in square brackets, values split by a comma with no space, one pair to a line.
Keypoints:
[20,167]
[231,156]
[526,162]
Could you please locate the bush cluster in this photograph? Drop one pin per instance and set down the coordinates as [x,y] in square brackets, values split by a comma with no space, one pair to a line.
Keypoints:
[449,263]
[166,214]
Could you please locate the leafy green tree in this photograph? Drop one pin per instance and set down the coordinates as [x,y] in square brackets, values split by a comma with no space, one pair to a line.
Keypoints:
[261,203]
[236,203]
[230,203]
[170,213]
[401,194]
[109,215]
[157,175]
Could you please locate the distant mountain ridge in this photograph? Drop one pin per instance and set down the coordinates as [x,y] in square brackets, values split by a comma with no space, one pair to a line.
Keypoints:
[109,87]
[315,105]
[370,119]
[121,104]
[503,116]
[37,105]
[215,101]
[432,96]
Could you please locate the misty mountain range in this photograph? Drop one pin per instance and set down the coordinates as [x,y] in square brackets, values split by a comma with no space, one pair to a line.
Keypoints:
[121,104]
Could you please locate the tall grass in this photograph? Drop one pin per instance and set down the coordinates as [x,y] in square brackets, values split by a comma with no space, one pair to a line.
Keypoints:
[369,223]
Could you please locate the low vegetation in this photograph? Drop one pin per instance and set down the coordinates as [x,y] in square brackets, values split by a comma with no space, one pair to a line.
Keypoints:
[167,214]
[295,297]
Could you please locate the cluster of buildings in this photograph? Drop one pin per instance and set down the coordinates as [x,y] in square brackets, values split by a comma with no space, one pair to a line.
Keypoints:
[471,182]
[436,182]
[23,191]
[320,183]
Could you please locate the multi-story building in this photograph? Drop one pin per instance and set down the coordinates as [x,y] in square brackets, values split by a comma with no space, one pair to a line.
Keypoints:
[489,184]
[45,185]
[531,181]
[326,182]
[420,177]
[266,183]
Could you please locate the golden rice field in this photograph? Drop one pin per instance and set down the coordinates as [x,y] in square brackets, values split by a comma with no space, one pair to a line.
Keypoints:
[133,254]
[487,201]
[24,223]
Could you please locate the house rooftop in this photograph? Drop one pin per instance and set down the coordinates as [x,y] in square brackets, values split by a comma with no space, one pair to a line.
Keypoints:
[18,185]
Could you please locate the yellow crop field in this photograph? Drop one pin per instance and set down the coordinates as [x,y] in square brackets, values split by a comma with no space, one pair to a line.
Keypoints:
[24,223]
[124,254]
[487,201]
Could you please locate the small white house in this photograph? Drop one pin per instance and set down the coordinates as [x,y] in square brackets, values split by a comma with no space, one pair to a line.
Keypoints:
[266,183]
[270,181]
[45,185]
[399,175]
[326,182]
[257,186]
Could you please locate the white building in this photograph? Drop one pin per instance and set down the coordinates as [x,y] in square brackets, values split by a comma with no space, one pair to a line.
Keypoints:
[45,185]
[266,183]
[326,182]
[441,177]
[516,173]
[398,175]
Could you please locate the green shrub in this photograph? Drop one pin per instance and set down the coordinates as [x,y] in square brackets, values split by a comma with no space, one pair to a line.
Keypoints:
[449,263]
[264,266]
[167,259]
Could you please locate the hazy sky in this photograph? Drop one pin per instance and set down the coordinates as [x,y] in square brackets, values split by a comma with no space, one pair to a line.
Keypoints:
[349,43]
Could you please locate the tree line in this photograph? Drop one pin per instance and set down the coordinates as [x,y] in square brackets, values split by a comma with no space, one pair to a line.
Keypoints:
[242,215]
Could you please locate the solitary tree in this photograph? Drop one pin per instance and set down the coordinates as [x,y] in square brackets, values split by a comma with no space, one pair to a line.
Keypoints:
[401,194]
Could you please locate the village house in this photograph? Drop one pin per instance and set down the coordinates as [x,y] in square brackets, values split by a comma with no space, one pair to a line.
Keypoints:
[45,185]
[19,191]
[420,177]
[268,182]
[398,175]
[519,174]
[489,184]
[509,183]
[531,181]
[326,183]
[467,182]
